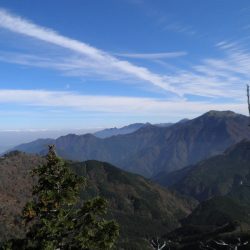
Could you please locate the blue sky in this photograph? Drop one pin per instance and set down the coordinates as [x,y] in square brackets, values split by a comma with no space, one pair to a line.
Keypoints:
[91,64]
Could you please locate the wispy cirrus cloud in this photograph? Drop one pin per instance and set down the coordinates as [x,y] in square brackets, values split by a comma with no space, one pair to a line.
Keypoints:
[214,77]
[102,60]
[222,77]
[153,56]
[113,104]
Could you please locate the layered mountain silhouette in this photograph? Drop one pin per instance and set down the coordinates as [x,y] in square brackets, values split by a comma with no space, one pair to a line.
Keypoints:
[134,201]
[215,176]
[105,133]
[222,184]
[153,149]
[221,210]
[221,217]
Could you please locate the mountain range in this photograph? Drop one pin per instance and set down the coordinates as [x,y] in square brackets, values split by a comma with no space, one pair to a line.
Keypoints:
[11,138]
[133,200]
[215,176]
[141,207]
[221,217]
[105,133]
[221,183]
[152,149]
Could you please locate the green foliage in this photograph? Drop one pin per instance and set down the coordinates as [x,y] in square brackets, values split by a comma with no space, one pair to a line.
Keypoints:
[160,208]
[57,219]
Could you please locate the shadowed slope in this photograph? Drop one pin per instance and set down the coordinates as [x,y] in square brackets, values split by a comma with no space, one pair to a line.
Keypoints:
[151,149]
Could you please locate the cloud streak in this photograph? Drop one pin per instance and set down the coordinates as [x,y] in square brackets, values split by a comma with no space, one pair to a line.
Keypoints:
[113,104]
[212,78]
[103,60]
[220,77]
[153,56]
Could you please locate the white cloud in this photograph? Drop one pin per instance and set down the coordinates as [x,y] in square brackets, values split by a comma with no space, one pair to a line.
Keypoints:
[103,61]
[114,104]
[212,78]
[216,77]
[221,77]
[153,55]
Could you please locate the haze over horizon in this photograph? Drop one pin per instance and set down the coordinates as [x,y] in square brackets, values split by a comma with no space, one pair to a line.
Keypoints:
[87,65]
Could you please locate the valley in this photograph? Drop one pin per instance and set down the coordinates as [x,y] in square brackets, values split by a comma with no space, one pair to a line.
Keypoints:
[206,195]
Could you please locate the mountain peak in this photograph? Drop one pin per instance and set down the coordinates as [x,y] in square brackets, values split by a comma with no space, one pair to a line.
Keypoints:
[216,113]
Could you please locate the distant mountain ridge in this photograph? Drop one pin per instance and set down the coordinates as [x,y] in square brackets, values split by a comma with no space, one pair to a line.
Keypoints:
[119,131]
[151,149]
[105,133]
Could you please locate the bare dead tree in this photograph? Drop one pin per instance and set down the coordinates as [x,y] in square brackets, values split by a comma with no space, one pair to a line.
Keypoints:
[248,101]
[157,245]
[232,246]
[248,105]
[248,98]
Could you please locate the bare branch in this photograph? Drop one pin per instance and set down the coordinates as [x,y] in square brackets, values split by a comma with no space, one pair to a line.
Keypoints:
[155,243]
[248,99]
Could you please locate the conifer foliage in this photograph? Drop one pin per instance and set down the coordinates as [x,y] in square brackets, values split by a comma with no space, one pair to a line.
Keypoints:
[57,217]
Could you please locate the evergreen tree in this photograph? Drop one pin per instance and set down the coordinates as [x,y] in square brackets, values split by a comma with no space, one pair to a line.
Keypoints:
[58,220]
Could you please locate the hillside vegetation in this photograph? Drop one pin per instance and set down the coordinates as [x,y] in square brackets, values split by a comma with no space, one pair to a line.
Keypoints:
[133,201]
[215,176]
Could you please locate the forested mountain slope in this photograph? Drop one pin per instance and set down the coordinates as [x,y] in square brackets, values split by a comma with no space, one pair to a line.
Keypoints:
[215,176]
[140,206]
[152,149]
